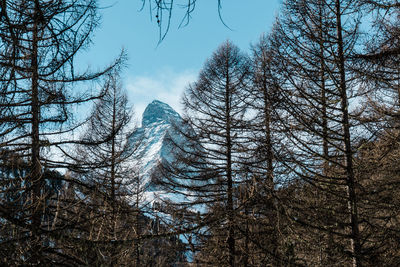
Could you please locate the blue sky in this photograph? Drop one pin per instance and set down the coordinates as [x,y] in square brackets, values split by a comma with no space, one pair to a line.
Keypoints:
[162,71]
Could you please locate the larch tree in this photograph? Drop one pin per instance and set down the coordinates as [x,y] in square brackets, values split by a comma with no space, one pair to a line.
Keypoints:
[316,40]
[377,67]
[215,104]
[40,40]
[119,226]
[209,168]
[260,203]
[105,163]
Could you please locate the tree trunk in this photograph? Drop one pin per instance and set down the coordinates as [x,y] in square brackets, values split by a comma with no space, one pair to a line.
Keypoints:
[270,157]
[113,197]
[231,231]
[36,171]
[352,199]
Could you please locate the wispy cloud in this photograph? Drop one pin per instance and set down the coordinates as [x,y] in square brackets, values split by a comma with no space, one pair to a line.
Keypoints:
[166,86]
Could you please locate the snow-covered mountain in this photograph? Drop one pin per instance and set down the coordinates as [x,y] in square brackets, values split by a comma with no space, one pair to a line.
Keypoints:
[160,125]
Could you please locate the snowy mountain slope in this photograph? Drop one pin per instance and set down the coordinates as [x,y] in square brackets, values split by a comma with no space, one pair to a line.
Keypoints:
[160,124]
[160,141]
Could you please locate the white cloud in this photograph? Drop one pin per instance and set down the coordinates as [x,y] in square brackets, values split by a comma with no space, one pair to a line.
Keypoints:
[166,86]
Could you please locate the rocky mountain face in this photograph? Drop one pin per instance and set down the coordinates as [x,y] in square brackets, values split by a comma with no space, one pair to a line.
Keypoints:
[161,127]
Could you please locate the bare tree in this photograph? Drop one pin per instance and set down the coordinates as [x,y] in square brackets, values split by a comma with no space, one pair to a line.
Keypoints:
[260,205]
[210,170]
[40,40]
[106,164]
[314,55]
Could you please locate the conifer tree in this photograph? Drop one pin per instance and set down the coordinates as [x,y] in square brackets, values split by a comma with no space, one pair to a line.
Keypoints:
[316,41]
[211,171]
[106,164]
[40,40]
[261,207]
[377,67]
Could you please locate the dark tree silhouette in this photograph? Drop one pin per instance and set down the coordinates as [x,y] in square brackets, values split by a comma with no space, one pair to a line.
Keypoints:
[106,164]
[39,41]
[316,41]
[211,172]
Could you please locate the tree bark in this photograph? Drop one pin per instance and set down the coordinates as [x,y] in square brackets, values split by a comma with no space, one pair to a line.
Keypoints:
[231,231]
[36,171]
[352,198]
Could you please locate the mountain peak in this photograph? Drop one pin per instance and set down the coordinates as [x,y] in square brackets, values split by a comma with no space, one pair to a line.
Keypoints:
[158,111]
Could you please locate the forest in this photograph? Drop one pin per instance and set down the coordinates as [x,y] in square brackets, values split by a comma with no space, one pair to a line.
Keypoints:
[288,155]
